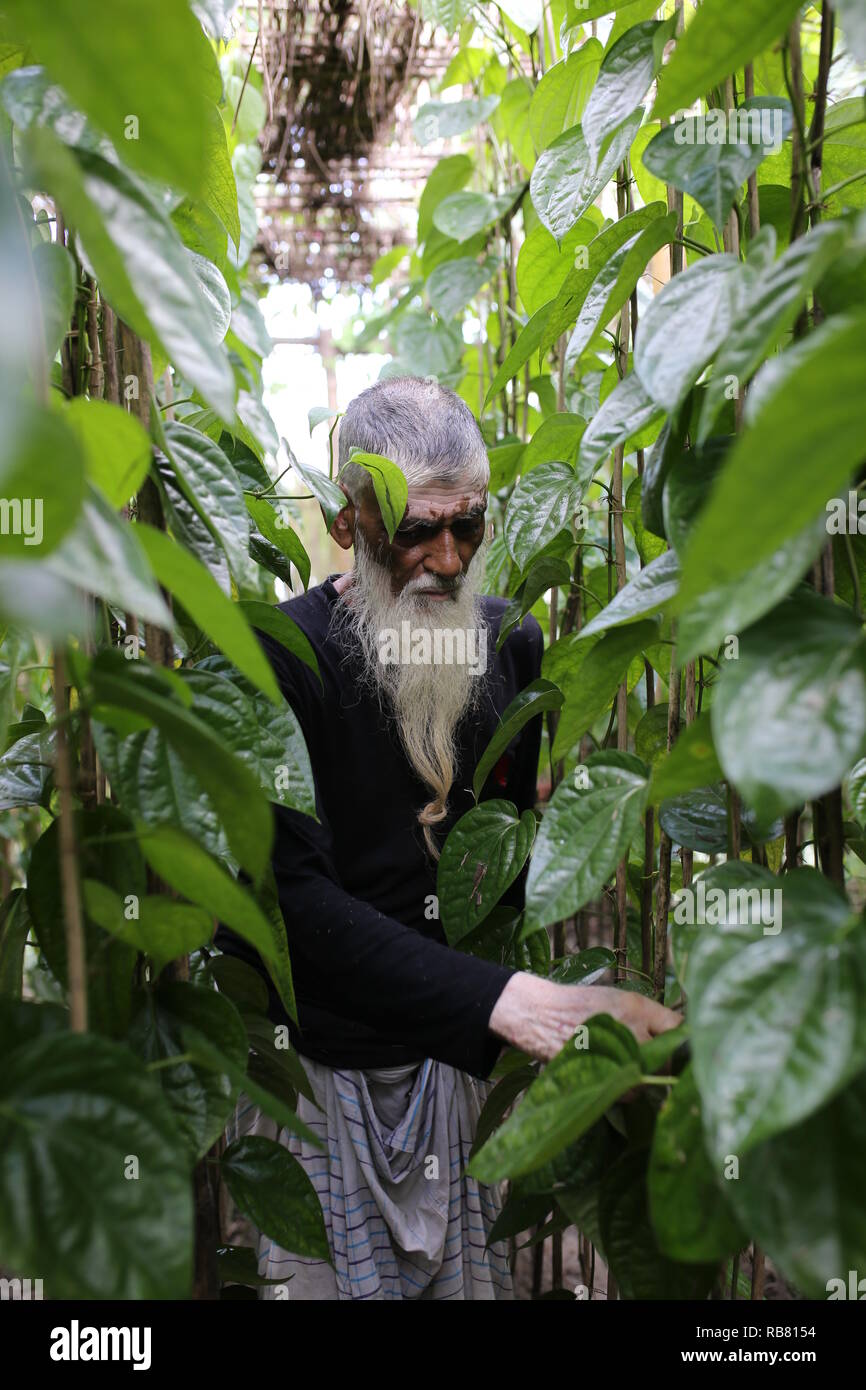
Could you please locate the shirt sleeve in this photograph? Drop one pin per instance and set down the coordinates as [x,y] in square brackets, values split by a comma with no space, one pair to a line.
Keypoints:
[366,966]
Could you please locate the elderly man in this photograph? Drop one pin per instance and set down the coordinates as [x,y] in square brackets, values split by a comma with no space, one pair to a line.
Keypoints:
[399,1033]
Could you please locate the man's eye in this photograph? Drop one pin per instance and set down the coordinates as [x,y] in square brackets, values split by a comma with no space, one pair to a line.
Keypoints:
[412,535]
[467,527]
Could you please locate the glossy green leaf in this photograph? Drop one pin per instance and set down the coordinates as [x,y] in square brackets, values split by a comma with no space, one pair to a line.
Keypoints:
[74,1110]
[539,696]
[482,857]
[273,1191]
[627,73]
[803,441]
[42,482]
[200,878]
[719,40]
[116,449]
[158,926]
[559,99]
[330,497]
[463,215]
[542,504]
[448,176]
[273,524]
[790,713]
[636,1261]
[584,834]
[389,485]
[454,284]
[440,120]
[566,180]
[628,409]
[208,606]
[683,327]
[652,588]
[572,1092]
[691,763]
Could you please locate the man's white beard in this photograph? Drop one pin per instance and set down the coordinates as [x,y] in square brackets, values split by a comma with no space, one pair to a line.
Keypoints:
[427,702]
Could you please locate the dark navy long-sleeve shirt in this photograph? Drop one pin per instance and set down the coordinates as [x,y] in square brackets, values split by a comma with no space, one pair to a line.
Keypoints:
[375,982]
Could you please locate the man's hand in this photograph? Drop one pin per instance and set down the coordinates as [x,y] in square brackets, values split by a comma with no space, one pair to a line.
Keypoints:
[539,1016]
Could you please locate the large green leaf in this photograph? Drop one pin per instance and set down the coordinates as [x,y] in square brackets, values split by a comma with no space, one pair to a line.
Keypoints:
[640,1268]
[652,587]
[42,482]
[708,156]
[591,683]
[778,1022]
[148,78]
[627,410]
[559,99]
[566,179]
[627,73]
[789,714]
[810,1218]
[202,1099]
[719,40]
[482,856]
[194,873]
[272,523]
[389,485]
[691,763]
[526,343]
[572,1092]
[139,259]
[439,120]
[212,486]
[116,449]
[584,834]
[681,330]
[537,697]
[105,850]
[594,255]
[208,606]
[804,439]
[449,175]
[454,284]
[76,1113]
[330,497]
[163,929]
[616,283]
[769,313]
[273,1191]
[542,504]
[463,215]
[689,1213]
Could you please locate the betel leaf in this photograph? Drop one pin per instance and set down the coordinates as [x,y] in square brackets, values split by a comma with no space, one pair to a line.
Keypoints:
[449,175]
[810,1218]
[389,485]
[566,180]
[719,40]
[627,72]
[55,274]
[147,78]
[591,685]
[283,628]
[211,485]
[776,1008]
[559,99]
[789,714]
[439,120]
[640,1267]
[616,282]
[590,258]
[542,504]
[200,878]
[158,926]
[770,311]
[652,587]
[572,1092]
[116,449]
[628,409]
[535,699]
[584,834]
[526,343]
[698,820]
[273,1191]
[73,1109]
[202,1099]
[482,857]
[330,497]
[691,763]
[272,522]
[681,330]
[139,260]
[548,572]
[711,157]
[803,441]
[208,606]
[462,215]
[42,482]
[454,284]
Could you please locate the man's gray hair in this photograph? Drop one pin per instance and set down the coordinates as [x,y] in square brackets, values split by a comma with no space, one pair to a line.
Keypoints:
[427,430]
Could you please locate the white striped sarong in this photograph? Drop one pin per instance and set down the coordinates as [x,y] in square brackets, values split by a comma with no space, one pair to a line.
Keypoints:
[403,1218]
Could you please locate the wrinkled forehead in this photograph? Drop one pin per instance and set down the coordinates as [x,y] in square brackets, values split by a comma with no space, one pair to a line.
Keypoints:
[442,501]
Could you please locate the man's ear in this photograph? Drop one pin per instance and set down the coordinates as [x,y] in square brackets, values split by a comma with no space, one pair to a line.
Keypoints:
[343,528]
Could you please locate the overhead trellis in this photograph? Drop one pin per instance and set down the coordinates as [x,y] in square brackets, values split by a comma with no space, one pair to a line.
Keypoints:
[341,170]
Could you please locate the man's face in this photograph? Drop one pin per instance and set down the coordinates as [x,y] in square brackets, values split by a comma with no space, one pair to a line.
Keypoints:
[441,530]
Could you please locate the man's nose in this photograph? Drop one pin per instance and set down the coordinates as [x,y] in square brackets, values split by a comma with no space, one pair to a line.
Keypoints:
[443,557]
